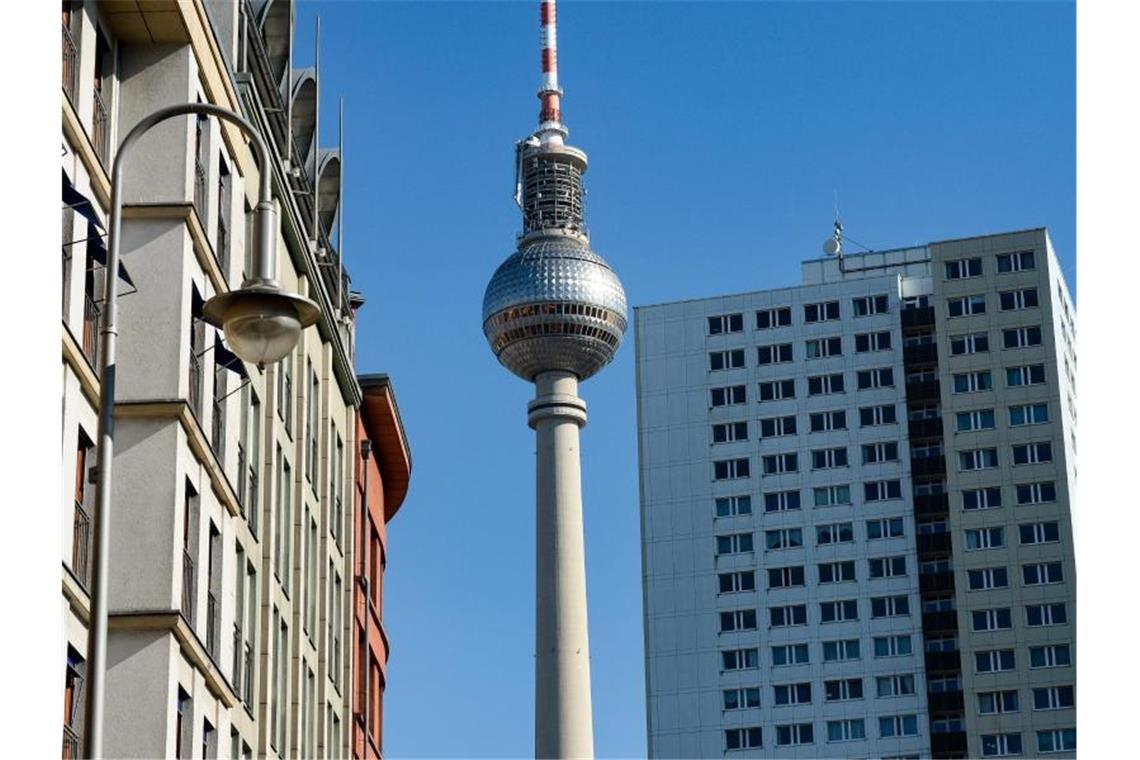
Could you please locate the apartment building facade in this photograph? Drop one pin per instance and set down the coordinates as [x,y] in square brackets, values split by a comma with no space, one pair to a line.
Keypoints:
[383,472]
[231,561]
[855,503]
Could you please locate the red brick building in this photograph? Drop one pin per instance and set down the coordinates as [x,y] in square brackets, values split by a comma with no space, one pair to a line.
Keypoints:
[383,468]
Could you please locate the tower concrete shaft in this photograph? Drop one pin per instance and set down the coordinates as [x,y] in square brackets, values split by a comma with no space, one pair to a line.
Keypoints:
[563,723]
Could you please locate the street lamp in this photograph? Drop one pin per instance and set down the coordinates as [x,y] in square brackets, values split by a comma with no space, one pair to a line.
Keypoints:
[262,324]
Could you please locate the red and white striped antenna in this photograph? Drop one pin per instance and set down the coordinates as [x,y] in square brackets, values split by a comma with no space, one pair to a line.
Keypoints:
[550,127]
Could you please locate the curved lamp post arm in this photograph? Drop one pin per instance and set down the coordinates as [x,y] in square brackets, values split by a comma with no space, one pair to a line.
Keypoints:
[264,268]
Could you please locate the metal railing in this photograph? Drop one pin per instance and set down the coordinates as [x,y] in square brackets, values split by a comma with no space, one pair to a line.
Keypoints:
[218,428]
[90,330]
[337,519]
[211,624]
[101,128]
[188,583]
[223,241]
[236,673]
[70,743]
[195,393]
[70,64]
[247,678]
[81,545]
[253,507]
[242,479]
[200,189]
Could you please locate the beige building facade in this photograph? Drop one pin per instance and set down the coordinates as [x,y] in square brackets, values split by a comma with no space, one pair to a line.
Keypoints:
[230,563]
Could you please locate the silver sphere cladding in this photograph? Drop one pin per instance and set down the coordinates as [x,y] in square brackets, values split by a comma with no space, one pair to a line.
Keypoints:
[554,305]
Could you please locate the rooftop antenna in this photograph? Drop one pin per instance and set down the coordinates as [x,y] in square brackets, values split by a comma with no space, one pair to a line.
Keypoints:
[550,128]
[340,220]
[833,246]
[317,139]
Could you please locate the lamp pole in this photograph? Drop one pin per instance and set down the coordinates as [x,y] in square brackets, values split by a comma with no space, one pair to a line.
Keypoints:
[258,316]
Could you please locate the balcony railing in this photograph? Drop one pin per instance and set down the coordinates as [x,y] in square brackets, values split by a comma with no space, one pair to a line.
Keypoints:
[253,508]
[91,330]
[943,661]
[247,676]
[928,466]
[81,545]
[933,543]
[70,64]
[70,743]
[212,624]
[934,582]
[930,504]
[243,478]
[236,672]
[925,428]
[200,190]
[218,428]
[921,354]
[223,247]
[101,128]
[188,583]
[195,392]
[923,390]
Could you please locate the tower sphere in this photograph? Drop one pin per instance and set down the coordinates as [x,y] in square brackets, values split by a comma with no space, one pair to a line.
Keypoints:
[554,305]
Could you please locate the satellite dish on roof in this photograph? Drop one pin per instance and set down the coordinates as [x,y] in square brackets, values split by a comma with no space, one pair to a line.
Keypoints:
[832,246]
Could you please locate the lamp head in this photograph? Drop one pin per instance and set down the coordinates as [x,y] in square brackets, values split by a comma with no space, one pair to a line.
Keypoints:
[262,322]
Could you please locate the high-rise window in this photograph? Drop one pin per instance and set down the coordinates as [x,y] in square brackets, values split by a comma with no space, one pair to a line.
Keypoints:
[1050,656]
[851,729]
[997,702]
[834,533]
[822,385]
[734,543]
[784,538]
[727,432]
[791,694]
[741,699]
[890,606]
[774,390]
[726,396]
[1042,574]
[981,498]
[821,312]
[898,725]
[894,686]
[880,490]
[1057,740]
[987,578]
[965,306]
[1036,493]
[867,305]
[971,343]
[769,318]
[985,538]
[738,620]
[973,382]
[827,496]
[1023,298]
[820,422]
[731,469]
[887,567]
[994,660]
[821,348]
[875,341]
[730,506]
[886,527]
[744,580]
[840,650]
[742,738]
[892,646]
[980,419]
[1028,414]
[719,360]
[1000,745]
[838,611]
[883,377]
[1015,262]
[1029,374]
[836,572]
[1037,615]
[1054,698]
[824,459]
[781,501]
[771,427]
[726,323]
[777,464]
[790,654]
[740,659]
[794,734]
[997,619]
[788,615]
[785,577]
[1021,337]
[877,415]
[961,269]
[1040,532]
[778,353]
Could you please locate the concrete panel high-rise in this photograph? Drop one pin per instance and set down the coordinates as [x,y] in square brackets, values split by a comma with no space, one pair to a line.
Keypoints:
[856,499]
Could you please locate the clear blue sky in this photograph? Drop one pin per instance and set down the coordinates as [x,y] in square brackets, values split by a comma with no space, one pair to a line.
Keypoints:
[717,134]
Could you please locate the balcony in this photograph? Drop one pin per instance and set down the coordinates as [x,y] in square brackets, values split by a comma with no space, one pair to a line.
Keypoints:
[222,248]
[925,428]
[946,701]
[188,579]
[70,73]
[195,392]
[944,662]
[81,546]
[930,504]
[212,624]
[925,390]
[923,316]
[943,620]
[91,330]
[926,353]
[930,582]
[200,190]
[927,466]
[948,745]
[70,743]
[101,129]
[933,543]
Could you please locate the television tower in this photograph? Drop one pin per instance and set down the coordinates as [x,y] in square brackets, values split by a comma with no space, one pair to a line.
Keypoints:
[554,313]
